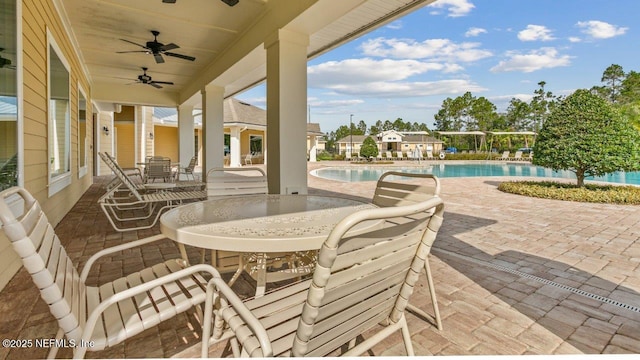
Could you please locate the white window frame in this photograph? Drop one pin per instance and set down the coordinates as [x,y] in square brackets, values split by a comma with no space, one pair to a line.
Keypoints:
[83,170]
[59,182]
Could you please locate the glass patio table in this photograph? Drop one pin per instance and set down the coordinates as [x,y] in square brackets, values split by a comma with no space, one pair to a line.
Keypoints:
[260,224]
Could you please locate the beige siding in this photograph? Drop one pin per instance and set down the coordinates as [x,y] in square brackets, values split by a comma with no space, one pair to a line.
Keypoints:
[37,17]
[105,118]
[166,142]
[125,143]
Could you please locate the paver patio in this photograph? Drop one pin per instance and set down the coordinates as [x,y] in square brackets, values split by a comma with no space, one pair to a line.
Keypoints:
[514,275]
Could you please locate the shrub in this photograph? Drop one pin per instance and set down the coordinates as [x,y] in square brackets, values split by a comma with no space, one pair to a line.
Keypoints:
[593,193]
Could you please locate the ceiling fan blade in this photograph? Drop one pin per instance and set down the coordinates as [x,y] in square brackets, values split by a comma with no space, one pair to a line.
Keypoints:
[131,42]
[154,84]
[169,1]
[169,47]
[133,51]
[162,82]
[190,58]
[159,58]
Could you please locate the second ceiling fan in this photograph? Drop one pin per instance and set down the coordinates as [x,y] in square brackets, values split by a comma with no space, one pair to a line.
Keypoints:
[157,49]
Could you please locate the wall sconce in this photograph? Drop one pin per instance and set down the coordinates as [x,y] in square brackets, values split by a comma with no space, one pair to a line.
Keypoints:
[105,130]
[151,135]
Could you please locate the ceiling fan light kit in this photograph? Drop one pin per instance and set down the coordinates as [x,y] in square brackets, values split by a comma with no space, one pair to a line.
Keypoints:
[157,49]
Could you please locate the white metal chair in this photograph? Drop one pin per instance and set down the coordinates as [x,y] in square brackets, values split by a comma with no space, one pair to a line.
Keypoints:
[106,315]
[505,155]
[248,159]
[360,281]
[187,170]
[136,206]
[223,182]
[397,189]
[158,167]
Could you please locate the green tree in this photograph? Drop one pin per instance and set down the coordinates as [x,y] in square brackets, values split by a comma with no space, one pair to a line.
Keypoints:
[541,106]
[630,88]
[518,115]
[484,114]
[612,77]
[362,126]
[369,148]
[586,135]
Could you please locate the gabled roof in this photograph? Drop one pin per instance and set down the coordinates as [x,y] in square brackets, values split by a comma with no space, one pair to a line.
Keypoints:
[236,113]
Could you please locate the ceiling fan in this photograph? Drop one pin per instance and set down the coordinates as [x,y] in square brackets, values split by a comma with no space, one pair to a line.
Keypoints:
[146,79]
[228,2]
[157,49]
[5,63]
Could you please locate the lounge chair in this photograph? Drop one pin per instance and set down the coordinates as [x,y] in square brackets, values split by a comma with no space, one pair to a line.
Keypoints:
[429,155]
[389,156]
[505,155]
[517,156]
[248,159]
[101,316]
[137,206]
[400,189]
[360,281]
[158,167]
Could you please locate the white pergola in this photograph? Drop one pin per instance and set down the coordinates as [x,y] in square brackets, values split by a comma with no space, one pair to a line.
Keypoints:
[475,135]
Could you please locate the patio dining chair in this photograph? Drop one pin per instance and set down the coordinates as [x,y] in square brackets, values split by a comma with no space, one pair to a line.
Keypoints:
[136,207]
[223,182]
[101,316]
[361,281]
[158,167]
[400,189]
[187,170]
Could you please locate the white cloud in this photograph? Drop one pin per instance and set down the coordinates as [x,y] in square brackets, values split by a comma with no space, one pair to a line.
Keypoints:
[475,31]
[574,39]
[396,25]
[600,29]
[408,89]
[535,33]
[507,98]
[434,49]
[542,58]
[456,8]
[368,70]
[318,103]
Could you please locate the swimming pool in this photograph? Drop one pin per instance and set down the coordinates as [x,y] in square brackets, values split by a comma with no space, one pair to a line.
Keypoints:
[372,173]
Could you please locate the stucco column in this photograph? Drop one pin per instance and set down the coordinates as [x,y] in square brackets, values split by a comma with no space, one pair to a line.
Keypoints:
[314,148]
[234,147]
[186,139]
[212,128]
[286,112]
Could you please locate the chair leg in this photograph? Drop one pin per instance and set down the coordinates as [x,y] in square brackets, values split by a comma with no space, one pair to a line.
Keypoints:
[406,336]
[54,349]
[432,292]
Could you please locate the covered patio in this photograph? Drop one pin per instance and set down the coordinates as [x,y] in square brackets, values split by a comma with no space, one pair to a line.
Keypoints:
[514,276]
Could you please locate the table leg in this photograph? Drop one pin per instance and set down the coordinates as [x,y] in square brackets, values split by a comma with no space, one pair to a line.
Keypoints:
[183,253]
[262,274]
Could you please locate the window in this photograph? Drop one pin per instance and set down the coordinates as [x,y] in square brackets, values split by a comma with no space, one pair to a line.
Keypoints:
[255,144]
[59,128]
[82,133]
[8,96]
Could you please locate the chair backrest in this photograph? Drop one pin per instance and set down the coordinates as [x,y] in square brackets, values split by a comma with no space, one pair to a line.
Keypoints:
[399,188]
[35,241]
[192,165]
[158,168]
[117,170]
[505,154]
[236,181]
[429,154]
[389,156]
[517,155]
[362,280]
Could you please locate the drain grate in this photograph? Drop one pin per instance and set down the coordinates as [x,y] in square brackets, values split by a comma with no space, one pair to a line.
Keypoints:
[602,299]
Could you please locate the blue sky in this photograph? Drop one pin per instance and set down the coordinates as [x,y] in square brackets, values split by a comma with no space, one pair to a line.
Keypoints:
[498,49]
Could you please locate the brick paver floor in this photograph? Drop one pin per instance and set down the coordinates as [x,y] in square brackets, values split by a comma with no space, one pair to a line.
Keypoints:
[514,275]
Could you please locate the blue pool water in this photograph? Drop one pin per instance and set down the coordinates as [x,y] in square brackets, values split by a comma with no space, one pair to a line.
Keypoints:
[372,173]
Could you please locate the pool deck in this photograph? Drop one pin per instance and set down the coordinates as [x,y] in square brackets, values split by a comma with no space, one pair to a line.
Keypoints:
[513,275]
